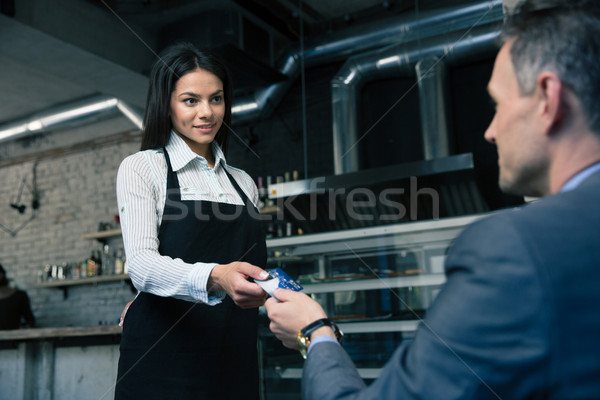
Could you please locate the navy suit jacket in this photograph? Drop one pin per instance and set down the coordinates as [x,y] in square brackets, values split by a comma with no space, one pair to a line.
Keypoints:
[518,317]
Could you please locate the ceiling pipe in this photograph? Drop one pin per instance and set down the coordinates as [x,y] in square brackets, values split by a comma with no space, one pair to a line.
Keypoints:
[69,115]
[339,46]
[393,61]
[329,49]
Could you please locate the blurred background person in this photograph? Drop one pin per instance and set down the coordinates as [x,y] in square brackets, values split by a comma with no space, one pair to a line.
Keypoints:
[15,311]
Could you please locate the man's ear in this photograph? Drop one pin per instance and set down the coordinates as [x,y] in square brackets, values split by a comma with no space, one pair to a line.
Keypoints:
[553,106]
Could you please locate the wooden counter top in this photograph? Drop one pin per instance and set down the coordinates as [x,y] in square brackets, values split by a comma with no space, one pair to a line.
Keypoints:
[63,332]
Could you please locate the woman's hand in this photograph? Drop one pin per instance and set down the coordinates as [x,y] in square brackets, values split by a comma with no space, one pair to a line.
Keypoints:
[233,279]
[291,313]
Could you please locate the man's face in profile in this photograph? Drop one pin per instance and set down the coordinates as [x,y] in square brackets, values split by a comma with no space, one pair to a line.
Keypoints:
[515,131]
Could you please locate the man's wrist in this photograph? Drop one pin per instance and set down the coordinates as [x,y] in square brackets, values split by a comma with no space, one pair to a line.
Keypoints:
[318,328]
[324,330]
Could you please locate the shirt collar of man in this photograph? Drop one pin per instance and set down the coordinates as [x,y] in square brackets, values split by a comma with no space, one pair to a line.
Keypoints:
[181,155]
[580,177]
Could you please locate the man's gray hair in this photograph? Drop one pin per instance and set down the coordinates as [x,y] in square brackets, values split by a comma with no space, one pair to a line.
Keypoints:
[562,37]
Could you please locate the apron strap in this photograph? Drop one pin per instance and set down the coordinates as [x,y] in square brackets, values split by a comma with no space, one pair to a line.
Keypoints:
[173,190]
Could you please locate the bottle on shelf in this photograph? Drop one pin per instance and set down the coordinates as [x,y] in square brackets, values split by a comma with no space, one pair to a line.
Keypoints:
[108,260]
[98,262]
[120,262]
[262,192]
[46,274]
[270,230]
[94,264]
[268,201]
[83,269]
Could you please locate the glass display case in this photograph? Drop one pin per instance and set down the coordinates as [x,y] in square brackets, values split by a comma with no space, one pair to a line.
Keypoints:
[376,283]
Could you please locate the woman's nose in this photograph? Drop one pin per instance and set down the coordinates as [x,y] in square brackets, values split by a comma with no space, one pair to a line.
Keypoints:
[204,110]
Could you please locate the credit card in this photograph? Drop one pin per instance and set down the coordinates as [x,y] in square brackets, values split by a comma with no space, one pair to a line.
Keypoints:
[278,279]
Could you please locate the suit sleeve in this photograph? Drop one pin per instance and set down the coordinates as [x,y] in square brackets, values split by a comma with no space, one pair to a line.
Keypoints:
[485,336]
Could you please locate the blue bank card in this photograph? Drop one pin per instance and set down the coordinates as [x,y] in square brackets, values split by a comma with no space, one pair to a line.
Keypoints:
[278,279]
[285,282]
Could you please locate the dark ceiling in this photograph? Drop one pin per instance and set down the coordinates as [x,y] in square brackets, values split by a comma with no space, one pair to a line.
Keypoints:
[60,51]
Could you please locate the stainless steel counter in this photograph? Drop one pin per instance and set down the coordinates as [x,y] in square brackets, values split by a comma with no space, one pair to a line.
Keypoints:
[78,362]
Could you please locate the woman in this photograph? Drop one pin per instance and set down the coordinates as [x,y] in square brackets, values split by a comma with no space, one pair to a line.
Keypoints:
[192,242]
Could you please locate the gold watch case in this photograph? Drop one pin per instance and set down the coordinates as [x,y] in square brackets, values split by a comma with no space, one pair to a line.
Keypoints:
[303,338]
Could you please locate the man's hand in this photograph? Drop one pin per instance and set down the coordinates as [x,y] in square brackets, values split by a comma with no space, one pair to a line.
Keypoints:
[293,312]
[233,279]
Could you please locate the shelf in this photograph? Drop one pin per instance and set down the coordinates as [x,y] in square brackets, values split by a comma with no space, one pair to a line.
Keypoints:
[286,259]
[269,210]
[371,284]
[65,284]
[101,235]
[63,332]
[378,326]
[368,177]
[331,265]
[83,281]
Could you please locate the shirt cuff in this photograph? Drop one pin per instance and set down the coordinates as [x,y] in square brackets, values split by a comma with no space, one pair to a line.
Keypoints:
[321,339]
[197,281]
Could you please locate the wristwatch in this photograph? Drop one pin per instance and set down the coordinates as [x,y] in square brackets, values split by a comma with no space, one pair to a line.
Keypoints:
[303,338]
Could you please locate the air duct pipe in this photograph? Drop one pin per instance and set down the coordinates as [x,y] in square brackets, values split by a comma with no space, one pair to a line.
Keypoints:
[329,49]
[69,115]
[352,41]
[433,106]
[393,61]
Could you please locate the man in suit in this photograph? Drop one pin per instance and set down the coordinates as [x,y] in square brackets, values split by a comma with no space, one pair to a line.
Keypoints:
[518,316]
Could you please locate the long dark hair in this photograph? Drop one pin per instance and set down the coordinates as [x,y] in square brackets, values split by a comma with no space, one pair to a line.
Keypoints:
[173,63]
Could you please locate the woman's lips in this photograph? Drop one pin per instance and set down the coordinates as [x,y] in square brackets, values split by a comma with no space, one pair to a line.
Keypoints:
[204,128]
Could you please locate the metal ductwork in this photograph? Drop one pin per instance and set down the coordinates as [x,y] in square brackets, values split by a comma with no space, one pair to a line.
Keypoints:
[337,47]
[356,197]
[328,49]
[395,61]
[69,115]
[433,101]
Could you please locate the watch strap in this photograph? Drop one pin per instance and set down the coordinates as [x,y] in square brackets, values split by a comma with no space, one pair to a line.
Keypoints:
[304,334]
[313,326]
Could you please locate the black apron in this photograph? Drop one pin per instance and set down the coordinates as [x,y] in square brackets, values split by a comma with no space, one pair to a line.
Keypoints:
[175,349]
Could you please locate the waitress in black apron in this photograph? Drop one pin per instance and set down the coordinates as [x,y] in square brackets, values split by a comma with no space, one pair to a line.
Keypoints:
[191,247]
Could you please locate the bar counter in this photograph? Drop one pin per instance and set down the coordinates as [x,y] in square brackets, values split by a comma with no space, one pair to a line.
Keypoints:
[61,332]
[76,362]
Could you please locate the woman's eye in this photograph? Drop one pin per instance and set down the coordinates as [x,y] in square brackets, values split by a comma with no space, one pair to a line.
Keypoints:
[190,101]
[217,99]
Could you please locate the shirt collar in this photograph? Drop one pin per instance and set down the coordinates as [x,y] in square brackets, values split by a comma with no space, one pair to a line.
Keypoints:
[181,154]
[219,155]
[580,177]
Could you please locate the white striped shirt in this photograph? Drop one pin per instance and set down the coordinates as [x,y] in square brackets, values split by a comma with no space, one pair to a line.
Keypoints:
[141,192]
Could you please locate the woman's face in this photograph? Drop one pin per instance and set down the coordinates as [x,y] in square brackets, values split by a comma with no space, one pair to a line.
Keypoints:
[197,109]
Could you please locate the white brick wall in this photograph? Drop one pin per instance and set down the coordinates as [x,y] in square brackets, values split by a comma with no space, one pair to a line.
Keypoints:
[81,185]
